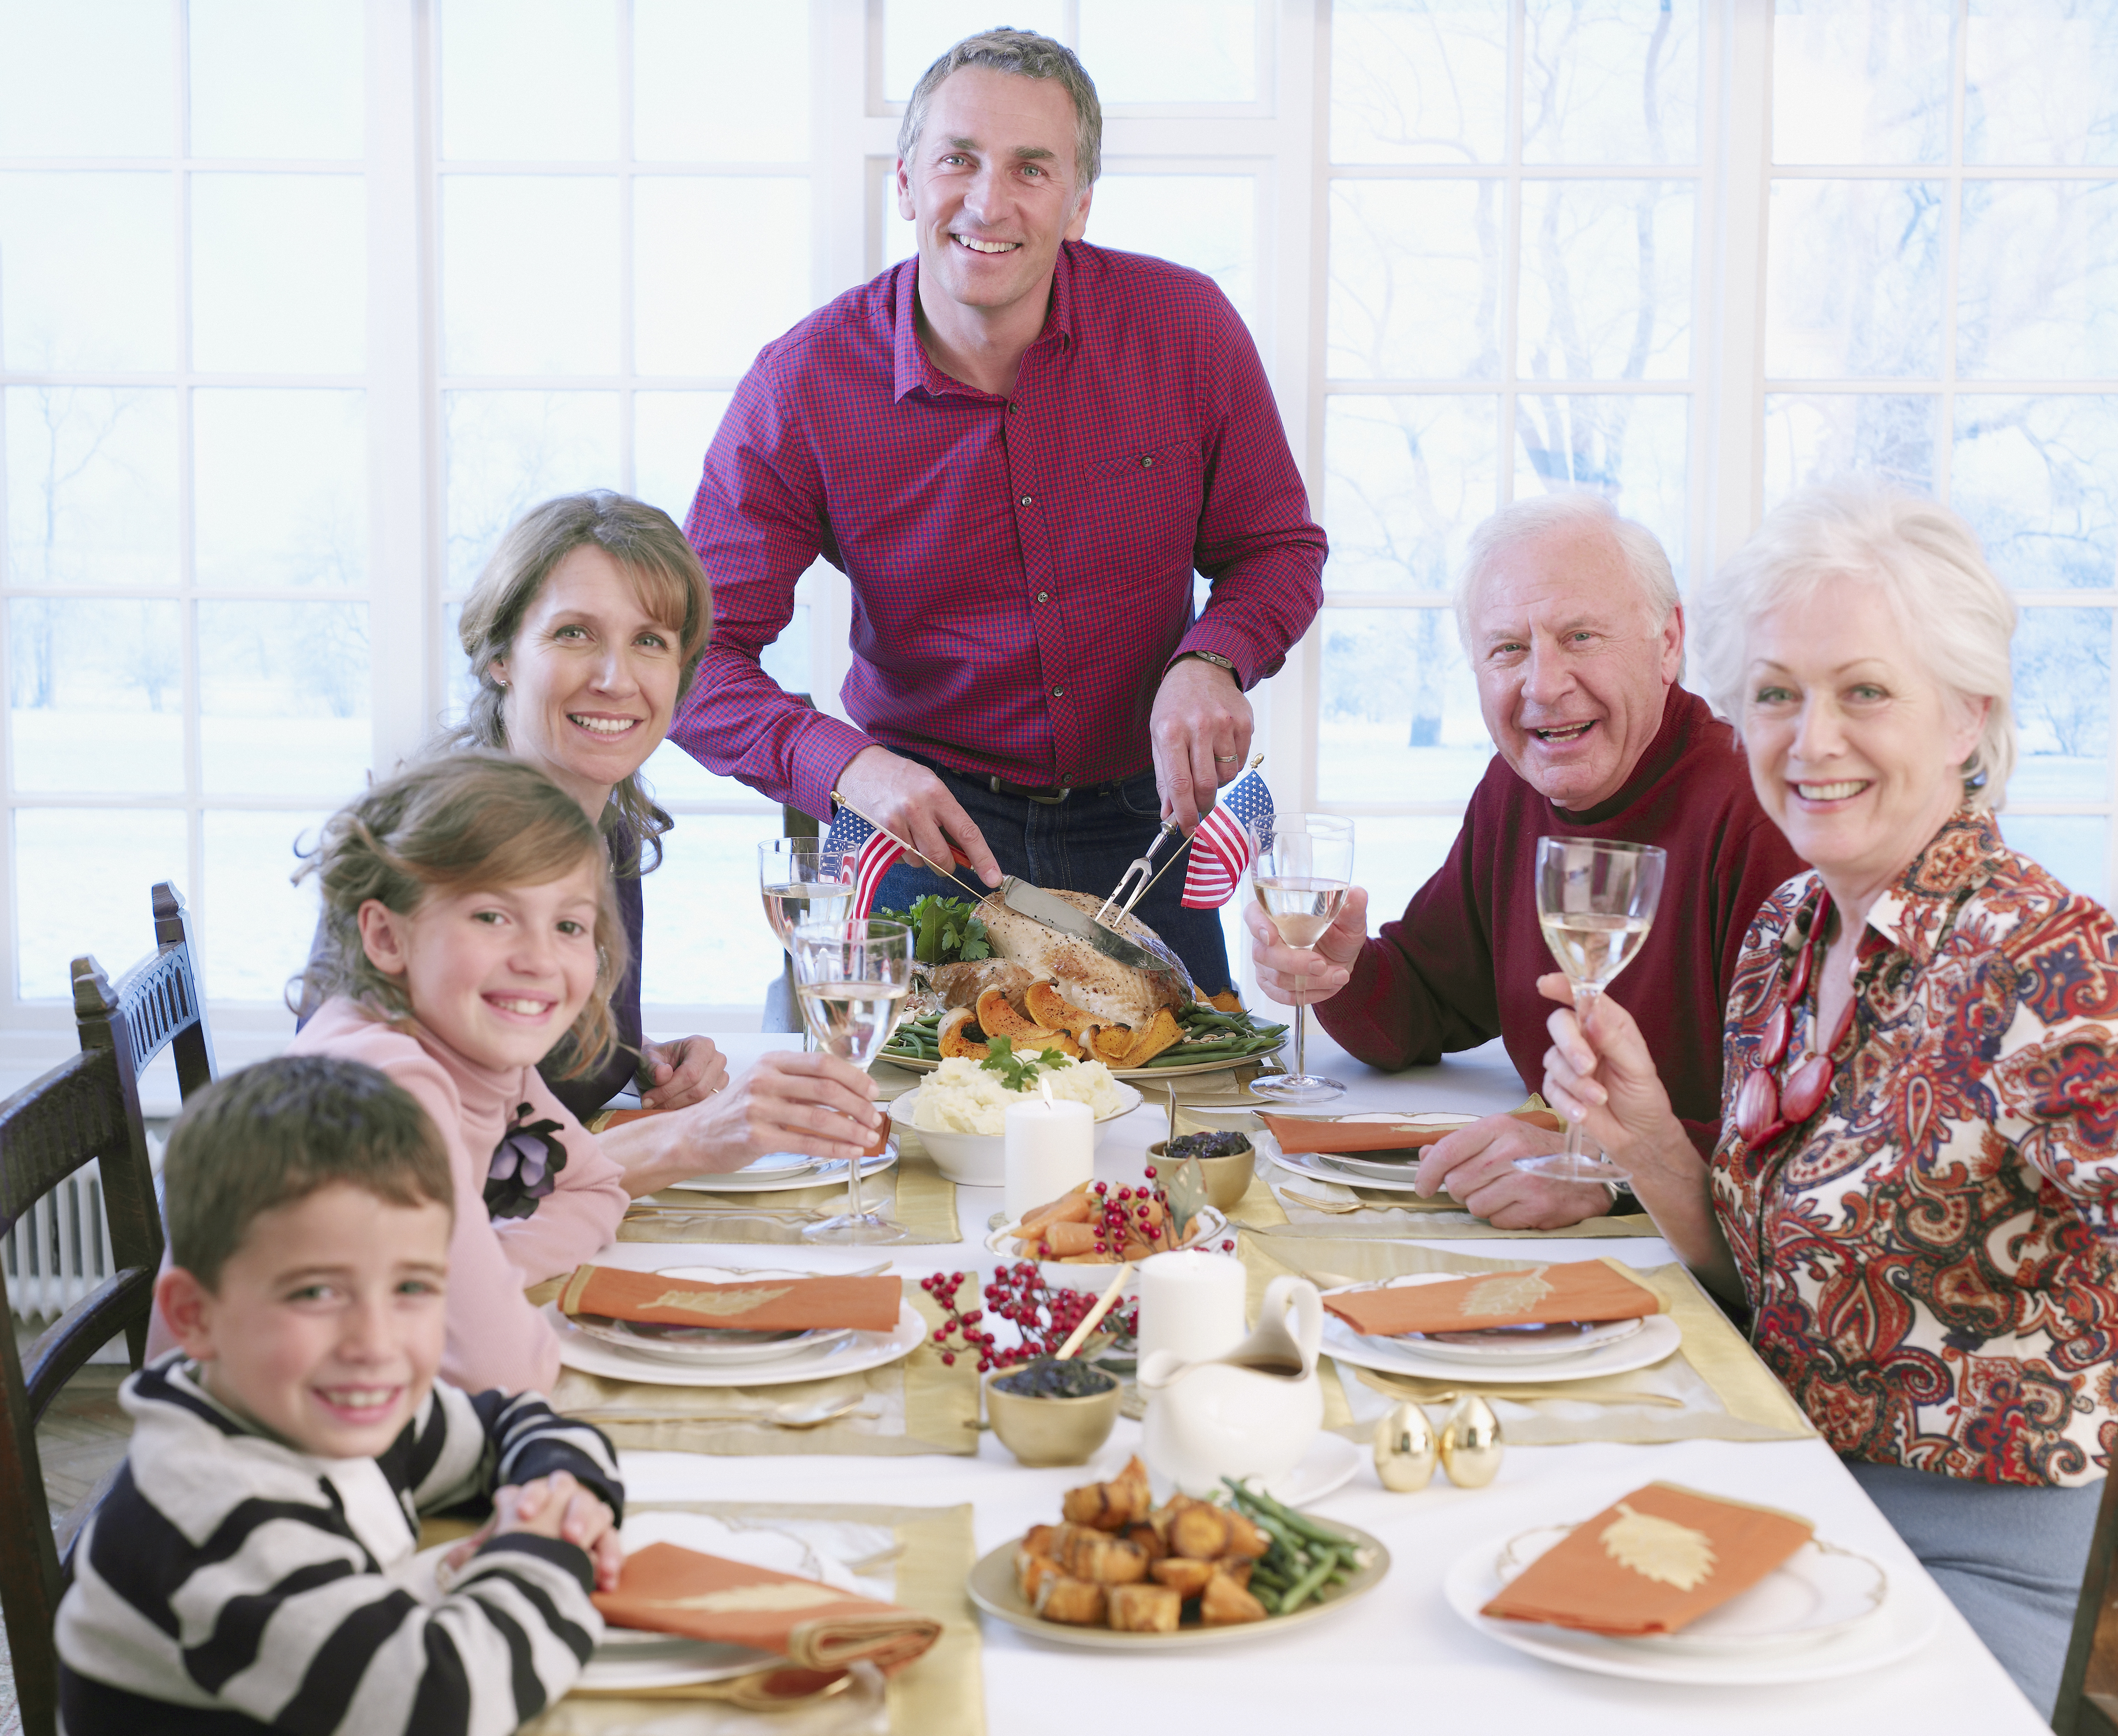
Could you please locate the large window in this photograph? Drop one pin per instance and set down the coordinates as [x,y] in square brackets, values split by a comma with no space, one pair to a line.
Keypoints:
[302,300]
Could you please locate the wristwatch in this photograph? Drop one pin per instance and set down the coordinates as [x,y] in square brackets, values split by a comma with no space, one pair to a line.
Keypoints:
[1218,661]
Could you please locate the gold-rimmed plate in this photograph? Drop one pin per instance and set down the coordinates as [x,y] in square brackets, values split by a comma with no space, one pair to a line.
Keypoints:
[992,1588]
[920,1064]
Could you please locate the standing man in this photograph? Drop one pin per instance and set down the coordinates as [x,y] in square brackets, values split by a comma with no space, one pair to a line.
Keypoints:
[1018,447]
[1570,616]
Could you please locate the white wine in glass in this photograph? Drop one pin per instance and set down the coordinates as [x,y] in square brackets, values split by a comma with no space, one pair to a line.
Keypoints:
[852,977]
[1302,872]
[801,880]
[1595,901]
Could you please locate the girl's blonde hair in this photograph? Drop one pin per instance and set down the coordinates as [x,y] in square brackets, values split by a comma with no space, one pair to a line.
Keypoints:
[666,577]
[462,822]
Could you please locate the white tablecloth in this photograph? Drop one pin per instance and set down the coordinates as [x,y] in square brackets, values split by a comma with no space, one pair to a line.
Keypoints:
[1400,1658]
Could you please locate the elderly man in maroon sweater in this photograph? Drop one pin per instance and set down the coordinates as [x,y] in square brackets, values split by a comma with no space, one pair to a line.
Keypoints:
[1571,620]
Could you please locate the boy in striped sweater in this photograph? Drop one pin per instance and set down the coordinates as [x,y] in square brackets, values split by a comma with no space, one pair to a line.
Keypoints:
[252,1567]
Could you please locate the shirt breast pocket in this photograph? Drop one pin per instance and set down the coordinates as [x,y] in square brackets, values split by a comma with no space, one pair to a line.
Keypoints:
[1156,493]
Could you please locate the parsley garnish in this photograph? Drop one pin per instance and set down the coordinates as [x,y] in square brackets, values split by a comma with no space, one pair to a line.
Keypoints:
[944,931]
[1019,1072]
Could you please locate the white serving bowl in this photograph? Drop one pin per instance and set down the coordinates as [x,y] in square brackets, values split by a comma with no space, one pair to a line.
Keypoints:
[979,1159]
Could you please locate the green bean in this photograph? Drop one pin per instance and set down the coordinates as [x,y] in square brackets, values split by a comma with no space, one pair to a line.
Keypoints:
[1294,1521]
[1303,1588]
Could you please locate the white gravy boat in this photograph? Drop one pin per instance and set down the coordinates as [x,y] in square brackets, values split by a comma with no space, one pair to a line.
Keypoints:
[1251,1413]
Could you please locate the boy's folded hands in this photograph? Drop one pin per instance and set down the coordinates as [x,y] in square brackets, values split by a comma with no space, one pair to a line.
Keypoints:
[557,1507]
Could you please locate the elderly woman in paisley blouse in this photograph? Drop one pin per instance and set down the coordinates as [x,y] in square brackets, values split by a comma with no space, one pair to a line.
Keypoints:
[1914,1187]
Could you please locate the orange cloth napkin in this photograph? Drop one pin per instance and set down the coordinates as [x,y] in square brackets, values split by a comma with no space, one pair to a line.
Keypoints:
[1297,1133]
[818,1627]
[1544,1295]
[761,1305]
[1656,1561]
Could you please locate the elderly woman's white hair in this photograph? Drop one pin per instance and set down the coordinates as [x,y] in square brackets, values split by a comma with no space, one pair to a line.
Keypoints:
[1955,615]
[1575,509]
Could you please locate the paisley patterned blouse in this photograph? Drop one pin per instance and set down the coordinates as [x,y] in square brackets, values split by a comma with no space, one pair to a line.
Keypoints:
[1933,1255]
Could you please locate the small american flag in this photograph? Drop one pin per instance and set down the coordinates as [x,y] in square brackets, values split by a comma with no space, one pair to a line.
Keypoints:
[875,853]
[1221,847]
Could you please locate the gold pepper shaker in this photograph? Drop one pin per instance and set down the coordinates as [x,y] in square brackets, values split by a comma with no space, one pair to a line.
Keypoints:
[1405,1451]
[1470,1445]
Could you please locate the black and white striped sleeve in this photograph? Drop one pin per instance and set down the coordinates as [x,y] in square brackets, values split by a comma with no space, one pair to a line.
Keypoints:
[469,1445]
[280,1616]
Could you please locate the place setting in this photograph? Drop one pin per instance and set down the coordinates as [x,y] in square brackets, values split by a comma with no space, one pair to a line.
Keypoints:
[1672,1585]
[710,1358]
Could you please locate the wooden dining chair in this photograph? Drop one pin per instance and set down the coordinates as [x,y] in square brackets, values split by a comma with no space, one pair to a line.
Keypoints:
[85,1110]
[2087,1703]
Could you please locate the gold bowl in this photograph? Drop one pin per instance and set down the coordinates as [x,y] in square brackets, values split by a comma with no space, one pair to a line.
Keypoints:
[1227,1179]
[1051,1431]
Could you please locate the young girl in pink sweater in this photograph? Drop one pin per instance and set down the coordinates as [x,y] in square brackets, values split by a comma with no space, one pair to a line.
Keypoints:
[468,931]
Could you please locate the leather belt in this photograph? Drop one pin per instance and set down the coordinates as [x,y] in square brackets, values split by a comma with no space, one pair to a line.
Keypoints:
[1050,795]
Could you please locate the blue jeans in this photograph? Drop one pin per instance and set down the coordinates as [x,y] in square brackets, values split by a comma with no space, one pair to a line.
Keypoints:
[2010,1558]
[1081,844]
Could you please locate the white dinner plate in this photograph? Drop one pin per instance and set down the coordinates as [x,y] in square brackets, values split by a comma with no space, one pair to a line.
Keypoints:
[1820,1591]
[632,1659]
[1655,1338]
[787,1169]
[854,1354]
[705,1345]
[1314,1167]
[1905,1621]
[1525,1344]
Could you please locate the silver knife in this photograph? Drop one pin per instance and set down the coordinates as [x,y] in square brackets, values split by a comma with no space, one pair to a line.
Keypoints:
[1039,906]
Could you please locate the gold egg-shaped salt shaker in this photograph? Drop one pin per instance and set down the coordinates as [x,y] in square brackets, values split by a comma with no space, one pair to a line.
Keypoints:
[1405,1449]
[1471,1443]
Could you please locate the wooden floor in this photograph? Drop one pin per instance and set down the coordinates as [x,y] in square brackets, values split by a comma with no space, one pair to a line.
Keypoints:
[82,1436]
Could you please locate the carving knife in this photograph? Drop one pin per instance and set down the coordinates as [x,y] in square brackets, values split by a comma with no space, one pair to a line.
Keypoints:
[1040,906]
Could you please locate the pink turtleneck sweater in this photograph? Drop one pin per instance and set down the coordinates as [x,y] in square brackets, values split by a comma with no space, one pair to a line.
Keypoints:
[496,1339]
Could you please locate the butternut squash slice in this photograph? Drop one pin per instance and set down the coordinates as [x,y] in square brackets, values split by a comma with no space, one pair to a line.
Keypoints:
[1111,1043]
[1165,1033]
[998,1018]
[1054,1012]
[1227,1000]
[949,1036]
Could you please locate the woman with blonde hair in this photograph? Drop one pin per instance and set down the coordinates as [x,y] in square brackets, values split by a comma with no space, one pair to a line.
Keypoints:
[1912,1195]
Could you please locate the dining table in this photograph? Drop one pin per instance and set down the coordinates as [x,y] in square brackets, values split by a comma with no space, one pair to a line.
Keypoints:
[1400,1656]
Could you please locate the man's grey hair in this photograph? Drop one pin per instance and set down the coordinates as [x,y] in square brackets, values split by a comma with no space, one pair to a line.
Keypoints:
[1526,520]
[1956,619]
[1026,55]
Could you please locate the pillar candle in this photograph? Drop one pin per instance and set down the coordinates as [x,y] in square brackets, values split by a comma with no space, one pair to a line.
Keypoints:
[1050,1149]
[1191,1303]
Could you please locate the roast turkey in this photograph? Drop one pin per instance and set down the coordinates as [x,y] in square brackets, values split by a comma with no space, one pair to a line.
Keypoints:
[1025,951]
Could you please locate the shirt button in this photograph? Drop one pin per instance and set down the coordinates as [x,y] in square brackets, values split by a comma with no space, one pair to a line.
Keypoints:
[1028,502]
[1044,596]
[1147,463]
[1058,692]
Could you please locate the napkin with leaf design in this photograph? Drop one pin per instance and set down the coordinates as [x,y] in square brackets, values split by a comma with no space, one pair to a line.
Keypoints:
[758,1305]
[671,1589]
[1653,1563]
[1543,1295]
[1328,1137]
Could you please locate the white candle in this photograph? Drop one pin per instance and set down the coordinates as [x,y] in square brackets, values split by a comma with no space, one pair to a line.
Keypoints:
[1050,1149]
[1191,1303]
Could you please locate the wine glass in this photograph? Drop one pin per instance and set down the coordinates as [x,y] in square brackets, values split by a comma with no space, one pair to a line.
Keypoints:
[802,880]
[852,976]
[1595,900]
[1301,871]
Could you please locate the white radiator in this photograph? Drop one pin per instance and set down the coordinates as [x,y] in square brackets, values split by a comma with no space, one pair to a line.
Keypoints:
[59,1251]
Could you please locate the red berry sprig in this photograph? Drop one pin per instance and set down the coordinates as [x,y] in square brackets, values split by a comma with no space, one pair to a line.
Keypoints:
[1043,1314]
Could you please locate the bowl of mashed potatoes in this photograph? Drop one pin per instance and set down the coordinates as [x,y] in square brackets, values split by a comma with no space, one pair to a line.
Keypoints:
[959,1112]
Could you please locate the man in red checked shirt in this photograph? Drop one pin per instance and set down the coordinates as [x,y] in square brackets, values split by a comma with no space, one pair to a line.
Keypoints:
[1018,447]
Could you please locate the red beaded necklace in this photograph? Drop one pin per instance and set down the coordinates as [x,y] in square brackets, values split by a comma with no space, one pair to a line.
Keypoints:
[1765,1108]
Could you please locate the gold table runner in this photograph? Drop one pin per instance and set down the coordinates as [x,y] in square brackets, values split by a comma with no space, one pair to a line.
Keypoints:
[1724,1393]
[1267,1210]
[916,1404]
[919,1196]
[942,1694]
